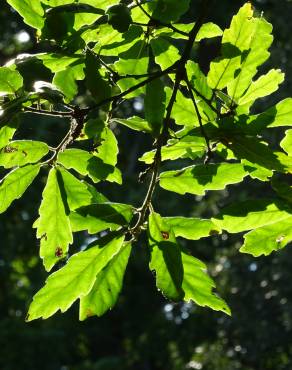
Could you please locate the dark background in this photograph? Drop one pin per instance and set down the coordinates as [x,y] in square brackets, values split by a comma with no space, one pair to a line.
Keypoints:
[144,331]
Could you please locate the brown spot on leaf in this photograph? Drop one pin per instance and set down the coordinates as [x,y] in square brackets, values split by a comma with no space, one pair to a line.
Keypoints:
[89,313]
[165,235]
[9,149]
[59,252]
[24,153]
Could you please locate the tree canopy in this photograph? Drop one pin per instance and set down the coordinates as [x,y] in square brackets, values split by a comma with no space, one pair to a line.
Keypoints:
[207,132]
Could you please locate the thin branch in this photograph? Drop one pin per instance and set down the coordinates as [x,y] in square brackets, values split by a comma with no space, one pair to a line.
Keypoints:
[130,90]
[208,101]
[203,132]
[47,112]
[158,22]
[162,138]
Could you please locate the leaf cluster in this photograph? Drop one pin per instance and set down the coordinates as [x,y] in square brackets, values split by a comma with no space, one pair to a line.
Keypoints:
[103,53]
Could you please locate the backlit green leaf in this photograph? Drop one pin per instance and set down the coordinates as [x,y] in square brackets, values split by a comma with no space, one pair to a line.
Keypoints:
[272,237]
[96,84]
[200,178]
[7,132]
[21,152]
[166,258]
[31,11]
[101,216]
[254,54]
[77,192]
[276,116]
[192,228]
[170,10]
[15,183]
[107,286]
[265,85]
[175,149]
[164,52]
[251,214]
[65,80]
[135,123]
[209,30]
[73,281]
[235,40]
[10,81]
[286,143]
[53,226]
[179,275]
[155,104]
[88,165]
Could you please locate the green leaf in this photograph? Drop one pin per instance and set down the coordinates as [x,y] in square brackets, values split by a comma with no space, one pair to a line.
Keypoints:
[21,152]
[108,148]
[77,192]
[286,143]
[108,284]
[15,183]
[234,41]
[73,281]
[183,111]
[200,178]
[101,216]
[10,81]
[166,258]
[53,226]
[31,11]
[188,147]
[199,81]
[250,214]
[59,62]
[96,84]
[198,286]
[179,275]
[277,116]
[253,56]
[134,61]
[192,228]
[7,132]
[256,171]
[155,105]
[99,4]
[170,10]
[135,123]
[164,52]
[272,237]
[119,17]
[88,165]
[264,86]
[208,31]
[113,43]
[259,153]
[65,80]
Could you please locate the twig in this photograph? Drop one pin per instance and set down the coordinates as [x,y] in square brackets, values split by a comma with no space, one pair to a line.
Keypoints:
[156,22]
[131,89]
[162,138]
[203,132]
[47,112]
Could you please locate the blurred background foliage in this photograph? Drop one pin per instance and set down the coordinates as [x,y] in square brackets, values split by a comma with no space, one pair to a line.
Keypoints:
[145,332]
